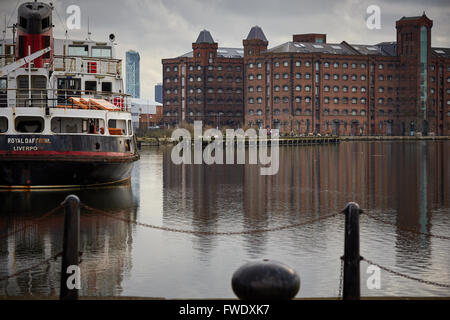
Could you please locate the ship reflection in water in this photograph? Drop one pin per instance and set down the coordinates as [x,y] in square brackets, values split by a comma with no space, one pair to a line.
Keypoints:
[106,244]
[404,183]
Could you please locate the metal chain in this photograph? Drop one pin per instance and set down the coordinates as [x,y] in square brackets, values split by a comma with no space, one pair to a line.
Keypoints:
[341,279]
[33,222]
[32,267]
[407,229]
[206,232]
[405,275]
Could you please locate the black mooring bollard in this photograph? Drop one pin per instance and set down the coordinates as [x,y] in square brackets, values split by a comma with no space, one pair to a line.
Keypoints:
[265,280]
[70,246]
[351,290]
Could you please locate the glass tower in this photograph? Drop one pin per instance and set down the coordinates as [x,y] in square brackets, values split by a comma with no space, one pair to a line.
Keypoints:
[159,93]
[132,70]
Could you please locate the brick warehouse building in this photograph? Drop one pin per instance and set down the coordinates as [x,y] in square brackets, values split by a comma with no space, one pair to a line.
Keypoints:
[308,85]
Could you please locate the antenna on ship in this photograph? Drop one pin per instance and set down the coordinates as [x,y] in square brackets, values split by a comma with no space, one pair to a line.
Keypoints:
[89,32]
[13,27]
[66,32]
[4,31]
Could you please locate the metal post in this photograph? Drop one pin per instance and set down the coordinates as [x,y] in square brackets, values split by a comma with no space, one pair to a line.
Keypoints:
[70,245]
[351,290]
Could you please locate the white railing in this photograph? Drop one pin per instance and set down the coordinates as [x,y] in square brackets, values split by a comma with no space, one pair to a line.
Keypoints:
[61,98]
[87,65]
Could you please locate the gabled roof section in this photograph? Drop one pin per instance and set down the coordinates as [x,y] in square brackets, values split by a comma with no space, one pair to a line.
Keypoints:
[369,50]
[221,52]
[390,48]
[230,52]
[383,49]
[204,37]
[308,47]
[411,18]
[256,33]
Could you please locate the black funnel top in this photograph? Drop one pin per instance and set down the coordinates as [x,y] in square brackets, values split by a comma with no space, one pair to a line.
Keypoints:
[34,17]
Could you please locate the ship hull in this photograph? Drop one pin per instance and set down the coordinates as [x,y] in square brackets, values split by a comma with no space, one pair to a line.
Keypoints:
[57,162]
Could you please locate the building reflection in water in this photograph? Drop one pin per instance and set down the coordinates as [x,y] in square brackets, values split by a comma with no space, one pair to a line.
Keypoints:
[105,243]
[406,183]
[402,182]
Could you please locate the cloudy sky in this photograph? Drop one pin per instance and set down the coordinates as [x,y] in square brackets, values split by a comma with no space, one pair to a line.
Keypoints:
[160,29]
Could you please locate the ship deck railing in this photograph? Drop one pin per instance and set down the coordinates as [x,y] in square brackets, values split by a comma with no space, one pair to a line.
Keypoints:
[87,65]
[60,98]
[78,65]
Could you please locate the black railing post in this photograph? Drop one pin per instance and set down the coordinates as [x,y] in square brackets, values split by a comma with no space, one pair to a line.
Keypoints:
[351,290]
[70,247]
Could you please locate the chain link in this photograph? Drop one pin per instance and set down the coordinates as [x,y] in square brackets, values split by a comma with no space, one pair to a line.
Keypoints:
[407,229]
[405,275]
[107,214]
[32,222]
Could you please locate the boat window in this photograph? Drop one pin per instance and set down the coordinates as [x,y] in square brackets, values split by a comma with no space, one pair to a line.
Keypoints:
[29,124]
[117,127]
[78,125]
[106,86]
[38,93]
[130,128]
[78,50]
[23,22]
[46,45]
[90,86]
[101,52]
[3,124]
[68,87]
[45,23]
[9,49]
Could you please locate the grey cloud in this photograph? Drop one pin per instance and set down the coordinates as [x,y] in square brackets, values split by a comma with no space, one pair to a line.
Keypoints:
[166,28]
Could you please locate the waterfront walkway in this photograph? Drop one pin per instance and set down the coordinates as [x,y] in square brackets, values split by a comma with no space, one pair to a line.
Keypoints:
[308,140]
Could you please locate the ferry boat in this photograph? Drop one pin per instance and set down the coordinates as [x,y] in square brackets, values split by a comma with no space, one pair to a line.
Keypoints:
[65,120]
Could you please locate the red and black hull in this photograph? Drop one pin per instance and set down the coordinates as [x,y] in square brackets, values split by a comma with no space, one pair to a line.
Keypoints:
[65,161]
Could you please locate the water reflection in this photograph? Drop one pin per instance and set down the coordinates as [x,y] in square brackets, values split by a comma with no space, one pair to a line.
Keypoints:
[405,183]
[106,244]
[314,180]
